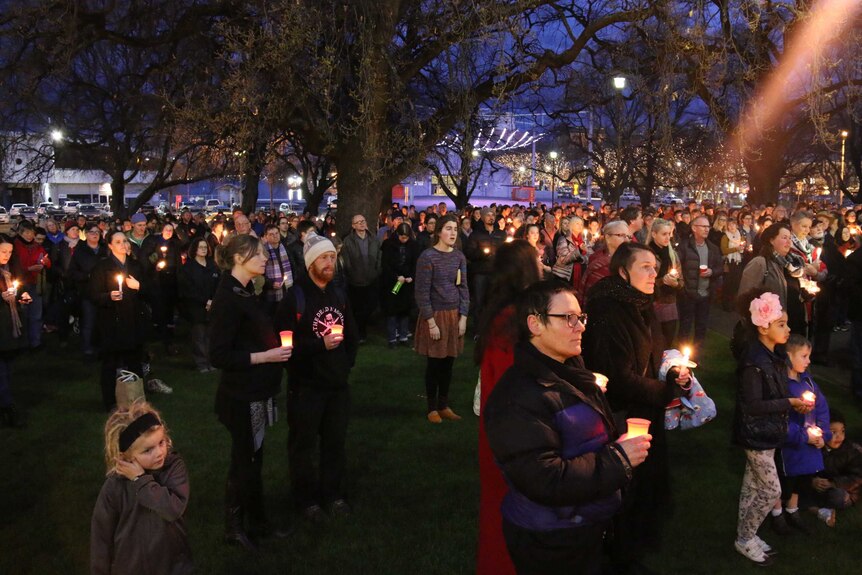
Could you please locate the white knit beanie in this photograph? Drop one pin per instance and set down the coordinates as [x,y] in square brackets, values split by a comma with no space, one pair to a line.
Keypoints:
[315,246]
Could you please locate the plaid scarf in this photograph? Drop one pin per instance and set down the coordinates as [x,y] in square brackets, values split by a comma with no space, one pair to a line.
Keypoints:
[278,273]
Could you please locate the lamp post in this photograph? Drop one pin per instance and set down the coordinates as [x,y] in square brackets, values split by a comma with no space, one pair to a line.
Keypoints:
[619,86]
[844,135]
[553,156]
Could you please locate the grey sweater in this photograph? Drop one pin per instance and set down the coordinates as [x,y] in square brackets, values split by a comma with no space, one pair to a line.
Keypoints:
[437,285]
[137,526]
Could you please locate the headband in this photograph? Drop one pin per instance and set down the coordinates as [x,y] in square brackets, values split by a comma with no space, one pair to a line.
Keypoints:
[765,309]
[137,428]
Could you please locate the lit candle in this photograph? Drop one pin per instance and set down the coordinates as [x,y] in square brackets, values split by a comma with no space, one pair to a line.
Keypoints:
[486,251]
[847,253]
[637,426]
[336,329]
[686,354]
[673,273]
[809,396]
[224,233]
[120,283]
[286,338]
[161,265]
[14,289]
[510,239]
[164,249]
[332,234]
[816,431]
[601,381]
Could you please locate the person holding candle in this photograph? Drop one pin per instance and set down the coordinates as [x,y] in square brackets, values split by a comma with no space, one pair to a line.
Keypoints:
[198,280]
[624,342]
[30,258]
[701,269]
[479,251]
[245,346]
[555,440]
[162,253]
[733,246]
[801,454]
[121,316]
[84,259]
[325,339]
[13,333]
[763,401]
[670,285]
[839,485]
[570,250]
[279,273]
[515,268]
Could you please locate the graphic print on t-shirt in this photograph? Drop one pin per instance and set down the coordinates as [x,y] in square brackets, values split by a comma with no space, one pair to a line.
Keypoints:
[325,318]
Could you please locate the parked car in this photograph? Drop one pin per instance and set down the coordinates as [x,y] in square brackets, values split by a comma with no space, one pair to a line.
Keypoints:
[71,207]
[55,211]
[147,209]
[28,213]
[89,211]
[4,216]
[42,210]
[15,210]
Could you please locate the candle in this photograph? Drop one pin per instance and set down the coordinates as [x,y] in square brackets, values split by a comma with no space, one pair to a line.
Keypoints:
[286,338]
[332,234]
[336,329]
[601,381]
[510,239]
[637,427]
[14,289]
[164,249]
[161,265]
[816,431]
[703,269]
[673,273]
[224,233]
[847,253]
[809,396]
[486,251]
[686,354]
[120,283]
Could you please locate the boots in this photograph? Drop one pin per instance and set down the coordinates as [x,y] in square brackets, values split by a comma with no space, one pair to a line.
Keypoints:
[234,530]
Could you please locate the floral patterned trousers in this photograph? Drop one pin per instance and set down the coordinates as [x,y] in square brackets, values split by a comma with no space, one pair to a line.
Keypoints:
[760,491]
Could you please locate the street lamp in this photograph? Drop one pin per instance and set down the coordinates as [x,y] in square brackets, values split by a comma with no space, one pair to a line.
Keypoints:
[844,134]
[619,85]
[554,155]
[620,82]
[57,135]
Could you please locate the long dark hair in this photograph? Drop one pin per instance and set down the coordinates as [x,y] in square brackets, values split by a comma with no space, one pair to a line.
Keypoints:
[515,268]
[769,234]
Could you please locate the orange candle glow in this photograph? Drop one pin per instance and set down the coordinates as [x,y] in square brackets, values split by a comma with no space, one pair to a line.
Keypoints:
[809,396]
[637,426]
[336,329]
[286,338]
[161,265]
[816,431]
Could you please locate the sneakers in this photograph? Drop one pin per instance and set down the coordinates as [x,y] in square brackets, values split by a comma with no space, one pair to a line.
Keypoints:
[827,516]
[434,417]
[752,551]
[765,547]
[158,386]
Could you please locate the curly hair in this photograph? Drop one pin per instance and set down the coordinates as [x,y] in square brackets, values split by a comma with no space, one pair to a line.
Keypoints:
[118,422]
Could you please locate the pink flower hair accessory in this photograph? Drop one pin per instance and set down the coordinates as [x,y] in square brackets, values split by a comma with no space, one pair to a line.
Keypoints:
[765,309]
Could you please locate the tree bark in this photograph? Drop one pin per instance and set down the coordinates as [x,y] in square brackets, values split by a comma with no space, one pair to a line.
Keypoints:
[765,166]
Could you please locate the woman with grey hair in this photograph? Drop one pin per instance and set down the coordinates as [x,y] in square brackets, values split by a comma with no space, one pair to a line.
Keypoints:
[614,234]
[571,253]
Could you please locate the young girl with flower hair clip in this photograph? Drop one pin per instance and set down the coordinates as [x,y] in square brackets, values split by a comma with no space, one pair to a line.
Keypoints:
[760,422]
[137,525]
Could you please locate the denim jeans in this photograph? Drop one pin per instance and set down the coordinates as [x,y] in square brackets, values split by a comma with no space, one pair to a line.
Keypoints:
[396,327]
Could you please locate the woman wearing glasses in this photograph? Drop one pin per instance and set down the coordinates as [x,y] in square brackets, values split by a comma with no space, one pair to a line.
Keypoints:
[614,234]
[624,342]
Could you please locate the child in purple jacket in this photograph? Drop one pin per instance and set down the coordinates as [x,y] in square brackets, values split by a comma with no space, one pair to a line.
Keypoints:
[807,434]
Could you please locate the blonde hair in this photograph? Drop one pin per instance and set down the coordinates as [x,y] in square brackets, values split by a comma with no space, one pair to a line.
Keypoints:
[118,422]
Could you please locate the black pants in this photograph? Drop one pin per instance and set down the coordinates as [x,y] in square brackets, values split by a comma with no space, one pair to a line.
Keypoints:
[479,284]
[111,362]
[577,550]
[244,488]
[438,377]
[314,414]
[363,301]
[164,306]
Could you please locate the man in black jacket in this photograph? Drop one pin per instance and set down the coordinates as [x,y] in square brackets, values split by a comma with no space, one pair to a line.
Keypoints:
[318,400]
[554,438]
[702,267]
[480,250]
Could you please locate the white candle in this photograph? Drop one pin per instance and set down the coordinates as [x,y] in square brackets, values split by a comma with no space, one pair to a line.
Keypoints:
[486,250]
[164,249]
[809,396]
[816,431]
[120,283]
[686,354]
[601,381]
[673,272]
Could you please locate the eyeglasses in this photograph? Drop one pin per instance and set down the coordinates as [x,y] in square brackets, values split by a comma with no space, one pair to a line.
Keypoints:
[626,236]
[358,222]
[569,318]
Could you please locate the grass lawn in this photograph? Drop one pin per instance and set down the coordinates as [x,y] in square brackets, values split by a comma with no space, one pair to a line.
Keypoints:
[413,485]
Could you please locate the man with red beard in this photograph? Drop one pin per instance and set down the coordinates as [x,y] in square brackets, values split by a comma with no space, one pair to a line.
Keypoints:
[318,401]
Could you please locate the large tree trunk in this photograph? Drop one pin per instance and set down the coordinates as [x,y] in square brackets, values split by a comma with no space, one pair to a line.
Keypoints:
[764,174]
[357,194]
[118,197]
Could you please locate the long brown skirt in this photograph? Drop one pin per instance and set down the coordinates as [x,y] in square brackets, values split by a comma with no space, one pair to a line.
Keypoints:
[449,344]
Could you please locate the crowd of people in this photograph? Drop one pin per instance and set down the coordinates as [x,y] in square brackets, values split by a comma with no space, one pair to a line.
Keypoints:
[563,484]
